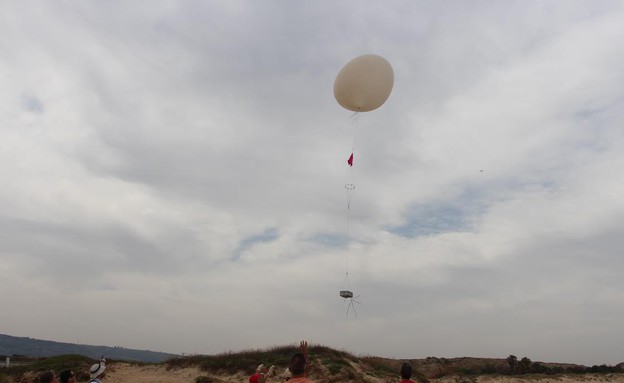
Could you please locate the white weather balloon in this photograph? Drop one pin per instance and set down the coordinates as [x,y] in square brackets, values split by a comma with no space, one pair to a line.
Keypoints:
[364,84]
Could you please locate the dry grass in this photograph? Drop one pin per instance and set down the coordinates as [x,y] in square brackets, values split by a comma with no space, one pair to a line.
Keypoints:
[328,366]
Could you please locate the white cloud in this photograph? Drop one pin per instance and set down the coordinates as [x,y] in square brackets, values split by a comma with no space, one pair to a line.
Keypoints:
[180,171]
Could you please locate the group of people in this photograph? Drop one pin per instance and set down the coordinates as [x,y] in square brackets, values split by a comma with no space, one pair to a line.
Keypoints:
[96,372]
[299,369]
[297,372]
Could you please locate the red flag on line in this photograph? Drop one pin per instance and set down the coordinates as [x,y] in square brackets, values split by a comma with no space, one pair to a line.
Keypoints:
[350,160]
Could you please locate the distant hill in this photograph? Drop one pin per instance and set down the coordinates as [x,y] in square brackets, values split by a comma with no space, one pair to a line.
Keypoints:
[12,345]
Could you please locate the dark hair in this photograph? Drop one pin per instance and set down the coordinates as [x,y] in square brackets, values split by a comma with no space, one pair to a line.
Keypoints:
[406,370]
[65,375]
[46,377]
[297,364]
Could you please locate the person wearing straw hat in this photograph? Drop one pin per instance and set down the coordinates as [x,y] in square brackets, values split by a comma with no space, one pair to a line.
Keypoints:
[98,371]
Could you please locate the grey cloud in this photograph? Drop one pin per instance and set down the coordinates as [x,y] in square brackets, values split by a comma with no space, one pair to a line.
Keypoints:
[194,152]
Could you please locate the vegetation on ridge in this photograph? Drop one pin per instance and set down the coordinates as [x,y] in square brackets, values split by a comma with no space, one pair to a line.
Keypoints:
[328,366]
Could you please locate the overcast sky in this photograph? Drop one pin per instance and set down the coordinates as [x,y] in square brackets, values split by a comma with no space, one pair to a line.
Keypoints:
[173,177]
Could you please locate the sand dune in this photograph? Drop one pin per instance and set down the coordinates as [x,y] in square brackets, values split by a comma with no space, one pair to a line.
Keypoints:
[122,373]
[127,373]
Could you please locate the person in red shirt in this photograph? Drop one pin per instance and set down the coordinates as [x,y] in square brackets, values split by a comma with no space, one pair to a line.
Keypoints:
[261,374]
[406,373]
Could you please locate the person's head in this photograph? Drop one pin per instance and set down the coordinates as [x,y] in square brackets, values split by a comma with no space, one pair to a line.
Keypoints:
[98,370]
[67,376]
[297,364]
[406,371]
[47,377]
[261,369]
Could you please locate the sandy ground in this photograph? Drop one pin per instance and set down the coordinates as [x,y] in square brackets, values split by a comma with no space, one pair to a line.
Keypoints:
[127,373]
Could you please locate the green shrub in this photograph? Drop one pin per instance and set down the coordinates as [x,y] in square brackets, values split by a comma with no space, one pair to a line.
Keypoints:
[57,363]
[419,376]
[4,378]
[247,361]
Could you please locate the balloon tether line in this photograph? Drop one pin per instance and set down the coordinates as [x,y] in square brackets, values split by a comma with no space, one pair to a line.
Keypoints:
[349,191]
[350,187]
[355,117]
